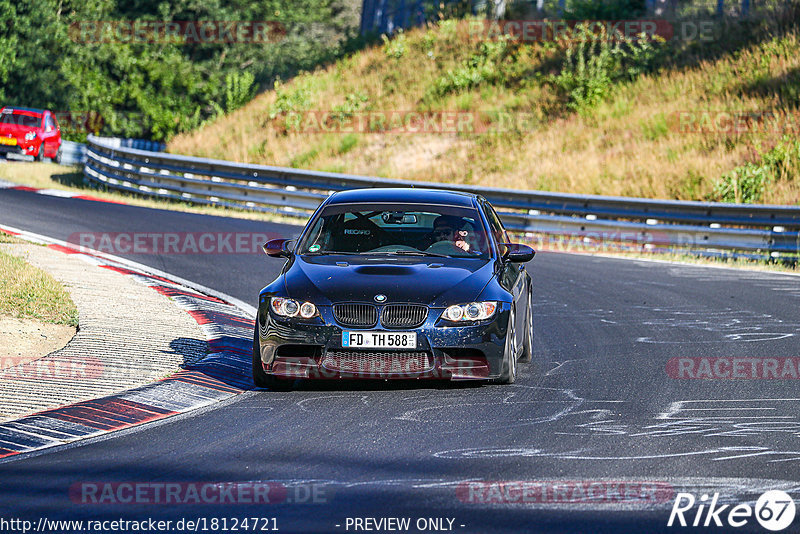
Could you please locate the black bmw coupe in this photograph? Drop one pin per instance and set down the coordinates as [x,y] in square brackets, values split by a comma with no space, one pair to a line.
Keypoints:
[396,284]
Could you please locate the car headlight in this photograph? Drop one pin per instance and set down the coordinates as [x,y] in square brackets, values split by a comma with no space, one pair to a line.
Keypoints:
[30,136]
[292,308]
[474,311]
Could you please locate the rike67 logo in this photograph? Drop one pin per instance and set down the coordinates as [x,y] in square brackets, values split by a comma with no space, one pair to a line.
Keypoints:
[774,511]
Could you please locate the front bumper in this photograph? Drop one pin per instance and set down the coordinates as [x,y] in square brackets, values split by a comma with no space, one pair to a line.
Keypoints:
[26,148]
[313,349]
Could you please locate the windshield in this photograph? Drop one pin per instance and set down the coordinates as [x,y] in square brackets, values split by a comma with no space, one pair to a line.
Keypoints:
[402,230]
[29,121]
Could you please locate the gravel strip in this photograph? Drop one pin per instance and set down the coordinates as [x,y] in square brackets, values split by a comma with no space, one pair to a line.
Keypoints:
[128,335]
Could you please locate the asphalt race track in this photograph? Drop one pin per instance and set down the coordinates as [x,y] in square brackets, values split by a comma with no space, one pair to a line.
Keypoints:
[597,405]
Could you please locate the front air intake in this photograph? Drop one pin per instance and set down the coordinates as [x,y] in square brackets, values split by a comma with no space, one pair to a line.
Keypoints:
[404,315]
[362,315]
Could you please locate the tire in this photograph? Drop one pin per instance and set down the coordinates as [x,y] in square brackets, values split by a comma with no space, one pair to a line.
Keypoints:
[40,155]
[59,156]
[509,372]
[262,379]
[527,343]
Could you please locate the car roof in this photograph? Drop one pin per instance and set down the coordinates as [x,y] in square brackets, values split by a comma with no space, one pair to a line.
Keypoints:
[410,195]
[14,109]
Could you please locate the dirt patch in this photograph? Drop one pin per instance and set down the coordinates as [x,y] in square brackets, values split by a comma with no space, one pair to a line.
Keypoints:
[409,156]
[25,340]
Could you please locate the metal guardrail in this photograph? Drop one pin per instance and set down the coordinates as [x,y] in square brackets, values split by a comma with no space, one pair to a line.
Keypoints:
[634,222]
[73,153]
[127,142]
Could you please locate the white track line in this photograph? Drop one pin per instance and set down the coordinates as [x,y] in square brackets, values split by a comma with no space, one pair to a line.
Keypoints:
[39,238]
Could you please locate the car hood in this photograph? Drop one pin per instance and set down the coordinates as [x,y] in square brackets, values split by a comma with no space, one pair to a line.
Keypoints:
[436,282]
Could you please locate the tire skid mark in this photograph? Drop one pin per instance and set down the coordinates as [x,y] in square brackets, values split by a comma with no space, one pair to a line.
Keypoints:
[717,453]
[446,412]
[705,418]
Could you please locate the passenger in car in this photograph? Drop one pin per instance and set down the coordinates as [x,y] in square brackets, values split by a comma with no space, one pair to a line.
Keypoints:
[462,239]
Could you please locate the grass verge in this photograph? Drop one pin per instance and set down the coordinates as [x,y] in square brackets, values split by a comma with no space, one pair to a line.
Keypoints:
[9,239]
[27,292]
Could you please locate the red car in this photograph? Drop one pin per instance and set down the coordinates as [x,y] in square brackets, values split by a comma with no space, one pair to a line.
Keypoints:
[31,132]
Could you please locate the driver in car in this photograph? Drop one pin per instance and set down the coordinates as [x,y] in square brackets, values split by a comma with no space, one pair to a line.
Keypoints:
[447,228]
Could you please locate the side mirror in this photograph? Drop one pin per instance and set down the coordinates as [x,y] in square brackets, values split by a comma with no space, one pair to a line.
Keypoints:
[278,248]
[517,252]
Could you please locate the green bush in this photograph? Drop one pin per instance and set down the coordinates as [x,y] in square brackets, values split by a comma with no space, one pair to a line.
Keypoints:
[595,61]
[289,101]
[784,159]
[745,184]
[354,102]
[347,143]
[655,128]
[239,89]
[304,159]
[588,72]
[492,63]
[642,55]
[395,48]
[748,183]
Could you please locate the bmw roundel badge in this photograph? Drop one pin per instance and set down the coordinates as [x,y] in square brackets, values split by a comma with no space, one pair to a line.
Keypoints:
[380,298]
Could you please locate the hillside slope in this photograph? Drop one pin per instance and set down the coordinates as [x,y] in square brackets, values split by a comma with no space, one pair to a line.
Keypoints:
[656,124]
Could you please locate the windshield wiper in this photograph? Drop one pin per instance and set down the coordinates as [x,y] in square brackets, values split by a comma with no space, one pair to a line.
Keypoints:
[329,253]
[415,253]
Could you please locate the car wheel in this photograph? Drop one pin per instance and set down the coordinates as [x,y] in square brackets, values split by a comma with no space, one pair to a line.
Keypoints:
[40,155]
[59,156]
[527,344]
[262,379]
[509,372]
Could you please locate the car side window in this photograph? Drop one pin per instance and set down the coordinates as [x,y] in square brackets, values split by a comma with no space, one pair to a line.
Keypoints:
[499,233]
[48,124]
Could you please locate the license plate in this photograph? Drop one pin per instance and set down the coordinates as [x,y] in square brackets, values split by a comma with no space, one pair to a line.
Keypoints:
[8,141]
[380,340]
